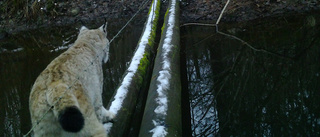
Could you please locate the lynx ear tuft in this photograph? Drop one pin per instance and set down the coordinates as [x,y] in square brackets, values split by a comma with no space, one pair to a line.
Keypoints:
[103,28]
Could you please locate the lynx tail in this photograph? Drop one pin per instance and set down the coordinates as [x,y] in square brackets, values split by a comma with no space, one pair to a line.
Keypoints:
[71,119]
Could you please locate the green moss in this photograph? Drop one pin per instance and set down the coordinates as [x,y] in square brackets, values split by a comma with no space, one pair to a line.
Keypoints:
[175,54]
[165,18]
[140,81]
[155,24]
[150,7]
[124,109]
[157,7]
[144,62]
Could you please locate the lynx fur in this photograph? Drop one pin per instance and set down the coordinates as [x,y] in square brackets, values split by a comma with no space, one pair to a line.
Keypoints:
[77,110]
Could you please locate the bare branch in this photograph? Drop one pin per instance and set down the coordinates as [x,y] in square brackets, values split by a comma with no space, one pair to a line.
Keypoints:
[198,24]
[224,8]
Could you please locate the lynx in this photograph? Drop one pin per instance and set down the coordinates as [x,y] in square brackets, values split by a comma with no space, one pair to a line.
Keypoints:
[71,86]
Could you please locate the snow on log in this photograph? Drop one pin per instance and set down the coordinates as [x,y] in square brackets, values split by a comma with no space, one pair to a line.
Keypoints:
[162,114]
[123,102]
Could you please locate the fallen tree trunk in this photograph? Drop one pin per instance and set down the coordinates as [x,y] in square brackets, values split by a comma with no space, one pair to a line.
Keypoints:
[162,114]
[123,102]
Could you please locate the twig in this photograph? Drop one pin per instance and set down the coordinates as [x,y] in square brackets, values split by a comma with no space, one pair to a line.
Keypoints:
[197,24]
[234,37]
[224,8]
[251,47]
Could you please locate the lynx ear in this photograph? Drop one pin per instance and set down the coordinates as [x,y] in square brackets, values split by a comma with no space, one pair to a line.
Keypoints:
[83,28]
[103,28]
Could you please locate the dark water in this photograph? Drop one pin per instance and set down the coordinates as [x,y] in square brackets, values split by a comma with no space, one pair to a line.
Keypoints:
[234,90]
[237,91]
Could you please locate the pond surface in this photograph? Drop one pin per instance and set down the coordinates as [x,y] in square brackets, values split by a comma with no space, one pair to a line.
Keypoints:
[233,89]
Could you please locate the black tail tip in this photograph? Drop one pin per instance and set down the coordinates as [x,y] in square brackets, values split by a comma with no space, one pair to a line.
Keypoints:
[71,119]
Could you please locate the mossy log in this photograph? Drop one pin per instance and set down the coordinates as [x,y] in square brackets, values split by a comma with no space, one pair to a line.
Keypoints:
[123,103]
[162,114]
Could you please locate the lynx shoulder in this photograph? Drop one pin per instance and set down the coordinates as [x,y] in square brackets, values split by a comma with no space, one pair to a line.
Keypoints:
[71,85]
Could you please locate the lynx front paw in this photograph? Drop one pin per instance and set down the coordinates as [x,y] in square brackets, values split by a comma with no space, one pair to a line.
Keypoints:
[107,116]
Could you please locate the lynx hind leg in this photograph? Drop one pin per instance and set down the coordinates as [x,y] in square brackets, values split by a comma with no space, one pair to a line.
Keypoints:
[107,116]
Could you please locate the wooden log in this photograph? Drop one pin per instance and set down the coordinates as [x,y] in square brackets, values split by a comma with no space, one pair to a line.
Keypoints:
[124,100]
[162,114]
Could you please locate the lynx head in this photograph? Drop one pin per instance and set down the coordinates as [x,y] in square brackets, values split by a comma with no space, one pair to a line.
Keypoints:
[96,37]
[103,30]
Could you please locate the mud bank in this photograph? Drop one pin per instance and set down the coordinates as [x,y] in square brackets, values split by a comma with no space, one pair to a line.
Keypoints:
[78,11]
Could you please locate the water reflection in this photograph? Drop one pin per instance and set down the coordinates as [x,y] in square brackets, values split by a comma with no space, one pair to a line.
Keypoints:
[23,56]
[236,91]
[12,118]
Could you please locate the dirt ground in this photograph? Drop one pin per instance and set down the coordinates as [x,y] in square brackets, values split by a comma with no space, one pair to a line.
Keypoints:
[69,12]
[244,10]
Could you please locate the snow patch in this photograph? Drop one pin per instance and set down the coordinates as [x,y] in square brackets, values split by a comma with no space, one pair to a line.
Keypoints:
[164,76]
[159,130]
[122,91]
[107,127]
[162,100]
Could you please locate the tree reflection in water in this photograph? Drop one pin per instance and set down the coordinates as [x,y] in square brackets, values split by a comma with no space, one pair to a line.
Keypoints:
[237,91]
